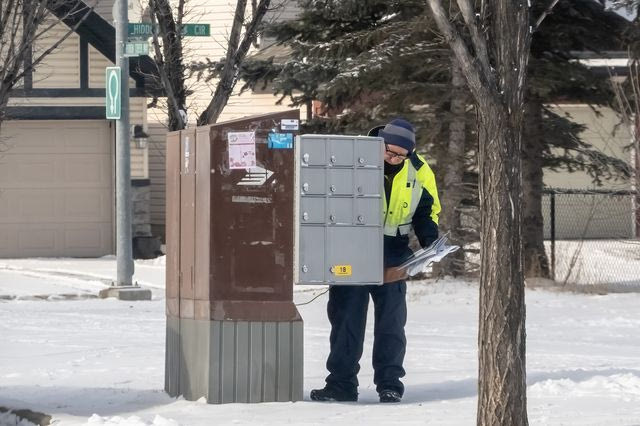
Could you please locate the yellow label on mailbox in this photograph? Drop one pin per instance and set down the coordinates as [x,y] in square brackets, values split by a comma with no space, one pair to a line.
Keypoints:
[342,270]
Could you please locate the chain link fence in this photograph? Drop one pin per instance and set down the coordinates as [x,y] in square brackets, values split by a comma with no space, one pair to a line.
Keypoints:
[592,237]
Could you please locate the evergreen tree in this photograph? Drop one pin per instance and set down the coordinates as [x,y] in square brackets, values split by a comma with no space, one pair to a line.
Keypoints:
[367,61]
[364,61]
[551,141]
[378,63]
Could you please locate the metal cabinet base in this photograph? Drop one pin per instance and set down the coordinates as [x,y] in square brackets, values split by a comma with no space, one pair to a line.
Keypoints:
[234,361]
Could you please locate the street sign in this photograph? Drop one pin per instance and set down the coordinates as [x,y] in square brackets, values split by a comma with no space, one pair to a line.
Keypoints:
[136,48]
[196,30]
[113,99]
[144,30]
[140,30]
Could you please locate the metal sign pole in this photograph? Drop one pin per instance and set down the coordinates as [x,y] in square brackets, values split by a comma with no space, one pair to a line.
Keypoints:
[123,154]
[117,108]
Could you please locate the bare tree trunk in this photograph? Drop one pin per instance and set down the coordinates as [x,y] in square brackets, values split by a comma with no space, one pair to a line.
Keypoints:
[4,100]
[169,58]
[309,105]
[535,257]
[501,337]
[636,172]
[451,193]
[499,37]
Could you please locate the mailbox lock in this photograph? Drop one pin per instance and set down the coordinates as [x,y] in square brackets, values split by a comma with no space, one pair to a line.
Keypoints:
[333,158]
[305,269]
[332,188]
[305,187]
[305,216]
[361,160]
[332,218]
[360,218]
[360,190]
[305,158]
[332,269]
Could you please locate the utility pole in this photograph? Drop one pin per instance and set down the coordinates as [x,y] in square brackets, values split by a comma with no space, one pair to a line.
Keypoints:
[123,288]
[123,154]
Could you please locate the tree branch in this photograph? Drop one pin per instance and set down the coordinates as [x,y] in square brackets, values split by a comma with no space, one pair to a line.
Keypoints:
[40,58]
[236,52]
[160,64]
[544,14]
[479,42]
[473,74]
[251,32]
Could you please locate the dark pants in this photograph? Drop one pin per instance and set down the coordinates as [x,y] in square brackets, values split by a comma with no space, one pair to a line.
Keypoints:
[347,309]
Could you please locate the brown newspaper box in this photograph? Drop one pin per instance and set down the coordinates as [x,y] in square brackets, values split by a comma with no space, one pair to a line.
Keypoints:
[233,331]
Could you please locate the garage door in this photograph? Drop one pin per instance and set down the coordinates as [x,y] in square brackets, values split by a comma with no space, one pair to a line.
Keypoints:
[56,189]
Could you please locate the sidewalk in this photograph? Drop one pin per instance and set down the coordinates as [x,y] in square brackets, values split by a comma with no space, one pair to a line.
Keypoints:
[69,278]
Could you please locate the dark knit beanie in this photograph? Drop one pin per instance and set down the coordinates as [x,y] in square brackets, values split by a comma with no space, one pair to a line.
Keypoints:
[399,132]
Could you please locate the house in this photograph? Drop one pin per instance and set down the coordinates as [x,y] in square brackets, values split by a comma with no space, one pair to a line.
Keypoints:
[57,175]
[219,14]
[583,209]
[58,171]
[57,167]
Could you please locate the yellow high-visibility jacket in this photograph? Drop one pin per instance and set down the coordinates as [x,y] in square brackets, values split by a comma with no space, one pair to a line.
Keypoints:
[413,202]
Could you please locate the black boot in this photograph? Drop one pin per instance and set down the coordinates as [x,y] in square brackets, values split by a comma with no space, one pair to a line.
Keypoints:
[333,394]
[390,395]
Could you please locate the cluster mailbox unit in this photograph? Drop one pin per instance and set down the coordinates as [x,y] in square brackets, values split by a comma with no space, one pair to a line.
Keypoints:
[233,331]
[251,209]
[340,210]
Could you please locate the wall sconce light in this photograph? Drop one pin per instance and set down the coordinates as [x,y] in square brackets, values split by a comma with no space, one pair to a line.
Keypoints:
[140,136]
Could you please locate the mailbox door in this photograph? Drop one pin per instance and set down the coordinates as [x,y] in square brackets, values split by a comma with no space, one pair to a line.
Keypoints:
[312,210]
[187,221]
[340,235]
[359,249]
[312,255]
[340,151]
[313,154]
[314,181]
[251,257]
[340,181]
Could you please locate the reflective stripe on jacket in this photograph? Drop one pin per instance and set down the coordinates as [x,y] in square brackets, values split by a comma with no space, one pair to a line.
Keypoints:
[406,190]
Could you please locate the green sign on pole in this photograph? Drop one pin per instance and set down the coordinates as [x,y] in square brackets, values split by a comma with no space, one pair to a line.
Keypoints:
[142,30]
[196,30]
[113,99]
[136,48]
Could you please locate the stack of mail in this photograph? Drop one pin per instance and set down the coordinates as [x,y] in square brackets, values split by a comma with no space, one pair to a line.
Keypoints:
[422,258]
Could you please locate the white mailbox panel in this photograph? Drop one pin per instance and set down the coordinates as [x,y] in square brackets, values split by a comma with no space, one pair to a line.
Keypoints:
[340,207]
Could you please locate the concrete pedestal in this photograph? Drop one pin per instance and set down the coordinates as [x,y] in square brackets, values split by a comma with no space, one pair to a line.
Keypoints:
[128,292]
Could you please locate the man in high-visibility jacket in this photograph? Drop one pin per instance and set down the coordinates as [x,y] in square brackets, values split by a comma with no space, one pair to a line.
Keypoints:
[411,201]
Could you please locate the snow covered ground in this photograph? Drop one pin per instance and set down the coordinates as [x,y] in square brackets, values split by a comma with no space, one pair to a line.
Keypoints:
[89,361]
[615,263]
